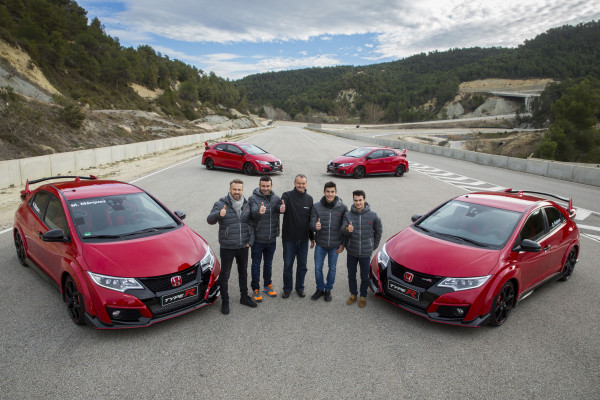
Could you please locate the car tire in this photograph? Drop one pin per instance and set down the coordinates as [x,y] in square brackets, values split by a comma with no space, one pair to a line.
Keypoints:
[399,170]
[210,164]
[20,247]
[249,169]
[502,305]
[569,265]
[359,172]
[74,300]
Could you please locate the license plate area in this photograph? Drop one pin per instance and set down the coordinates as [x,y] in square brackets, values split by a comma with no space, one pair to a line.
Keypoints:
[397,288]
[179,296]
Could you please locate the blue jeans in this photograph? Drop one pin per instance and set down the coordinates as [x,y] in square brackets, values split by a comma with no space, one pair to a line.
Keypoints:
[263,251]
[364,274]
[294,250]
[332,256]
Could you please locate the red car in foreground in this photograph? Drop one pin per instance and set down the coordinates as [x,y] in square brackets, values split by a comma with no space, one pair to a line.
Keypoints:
[240,156]
[120,258]
[472,259]
[364,161]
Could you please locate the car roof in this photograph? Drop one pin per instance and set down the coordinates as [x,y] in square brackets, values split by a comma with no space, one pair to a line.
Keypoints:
[73,190]
[509,201]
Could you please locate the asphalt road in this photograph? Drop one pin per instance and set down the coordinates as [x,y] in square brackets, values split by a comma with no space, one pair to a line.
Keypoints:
[298,348]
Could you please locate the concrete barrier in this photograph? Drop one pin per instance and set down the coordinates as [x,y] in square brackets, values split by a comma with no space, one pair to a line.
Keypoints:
[568,172]
[17,172]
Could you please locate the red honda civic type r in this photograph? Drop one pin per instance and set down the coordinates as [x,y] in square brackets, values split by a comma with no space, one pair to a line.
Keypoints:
[472,259]
[120,258]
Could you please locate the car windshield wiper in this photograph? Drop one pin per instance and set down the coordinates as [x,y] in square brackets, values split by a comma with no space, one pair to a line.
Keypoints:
[464,239]
[149,230]
[103,237]
[420,227]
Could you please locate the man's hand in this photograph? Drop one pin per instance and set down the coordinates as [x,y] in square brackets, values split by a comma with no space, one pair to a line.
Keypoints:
[262,208]
[223,211]
[282,207]
[350,228]
[340,249]
[318,224]
[312,244]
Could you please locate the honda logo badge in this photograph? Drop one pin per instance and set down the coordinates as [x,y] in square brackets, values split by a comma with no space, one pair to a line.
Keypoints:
[176,281]
[408,277]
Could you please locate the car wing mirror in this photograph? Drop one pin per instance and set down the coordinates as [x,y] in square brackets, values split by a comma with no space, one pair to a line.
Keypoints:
[530,246]
[415,217]
[180,214]
[54,235]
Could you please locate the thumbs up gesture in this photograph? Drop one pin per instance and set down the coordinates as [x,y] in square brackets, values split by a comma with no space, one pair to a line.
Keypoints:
[223,211]
[350,228]
[318,224]
[282,207]
[262,208]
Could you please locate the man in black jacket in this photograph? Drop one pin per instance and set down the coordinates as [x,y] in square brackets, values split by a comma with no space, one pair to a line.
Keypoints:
[264,208]
[236,235]
[296,206]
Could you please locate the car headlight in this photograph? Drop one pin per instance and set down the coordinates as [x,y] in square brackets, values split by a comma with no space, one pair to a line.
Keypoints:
[208,261]
[346,164]
[115,283]
[464,283]
[262,162]
[382,258]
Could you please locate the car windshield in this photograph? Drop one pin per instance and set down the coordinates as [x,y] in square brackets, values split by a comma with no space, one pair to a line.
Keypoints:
[252,149]
[358,153]
[119,217]
[471,224]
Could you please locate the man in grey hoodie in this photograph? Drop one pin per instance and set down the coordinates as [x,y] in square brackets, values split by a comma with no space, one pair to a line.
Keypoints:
[362,229]
[236,235]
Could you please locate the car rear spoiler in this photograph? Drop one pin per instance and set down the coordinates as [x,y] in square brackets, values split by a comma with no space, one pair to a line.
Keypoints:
[25,192]
[570,209]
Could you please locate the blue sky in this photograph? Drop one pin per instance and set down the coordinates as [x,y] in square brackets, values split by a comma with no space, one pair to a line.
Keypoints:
[235,38]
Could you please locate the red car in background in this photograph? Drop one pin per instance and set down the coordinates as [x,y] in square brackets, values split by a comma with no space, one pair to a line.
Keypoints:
[472,259]
[120,258]
[240,156]
[364,161]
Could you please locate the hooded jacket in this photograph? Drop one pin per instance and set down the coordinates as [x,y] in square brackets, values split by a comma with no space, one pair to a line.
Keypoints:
[266,226]
[331,222]
[234,232]
[367,231]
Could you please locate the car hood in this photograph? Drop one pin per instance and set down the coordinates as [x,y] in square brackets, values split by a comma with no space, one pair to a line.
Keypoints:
[429,255]
[156,255]
[344,159]
[265,157]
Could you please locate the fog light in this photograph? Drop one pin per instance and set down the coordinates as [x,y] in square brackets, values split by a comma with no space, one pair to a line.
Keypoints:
[116,313]
[460,311]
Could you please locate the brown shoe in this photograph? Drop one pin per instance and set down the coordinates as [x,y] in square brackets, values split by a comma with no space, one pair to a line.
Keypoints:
[351,300]
[362,302]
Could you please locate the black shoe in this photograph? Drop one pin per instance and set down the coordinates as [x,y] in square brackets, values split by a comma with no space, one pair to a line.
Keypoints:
[301,293]
[225,307]
[285,294]
[327,295]
[317,294]
[247,301]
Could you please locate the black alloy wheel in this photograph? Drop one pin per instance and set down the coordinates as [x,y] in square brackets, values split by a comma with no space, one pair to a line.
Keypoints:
[359,172]
[399,170]
[569,265]
[502,305]
[20,248]
[210,164]
[249,169]
[74,300]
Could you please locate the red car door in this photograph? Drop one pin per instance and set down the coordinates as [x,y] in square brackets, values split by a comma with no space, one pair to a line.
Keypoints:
[220,155]
[375,163]
[534,266]
[556,238]
[390,161]
[236,157]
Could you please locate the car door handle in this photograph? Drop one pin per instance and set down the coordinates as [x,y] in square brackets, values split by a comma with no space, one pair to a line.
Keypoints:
[547,248]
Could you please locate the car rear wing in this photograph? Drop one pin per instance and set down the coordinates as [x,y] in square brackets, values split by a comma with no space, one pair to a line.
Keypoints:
[25,192]
[570,209]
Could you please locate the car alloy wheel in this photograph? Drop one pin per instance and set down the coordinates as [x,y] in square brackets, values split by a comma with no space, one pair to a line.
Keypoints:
[569,265]
[399,170]
[359,172]
[74,300]
[249,169]
[20,248]
[502,305]
[210,164]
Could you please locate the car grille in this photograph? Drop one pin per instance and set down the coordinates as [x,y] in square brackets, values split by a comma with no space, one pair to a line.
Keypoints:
[334,165]
[158,309]
[162,283]
[275,163]
[423,281]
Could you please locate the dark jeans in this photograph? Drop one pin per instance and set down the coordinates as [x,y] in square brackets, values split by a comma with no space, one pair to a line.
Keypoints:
[241,258]
[352,262]
[294,250]
[263,251]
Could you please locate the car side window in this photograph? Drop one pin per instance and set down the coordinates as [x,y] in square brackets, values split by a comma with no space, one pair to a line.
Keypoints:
[235,150]
[221,147]
[39,201]
[376,154]
[54,217]
[554,217]
[534,227]
[389,153]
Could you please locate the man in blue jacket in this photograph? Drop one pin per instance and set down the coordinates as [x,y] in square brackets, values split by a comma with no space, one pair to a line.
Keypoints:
[326,220]
[362,229]
[236,235]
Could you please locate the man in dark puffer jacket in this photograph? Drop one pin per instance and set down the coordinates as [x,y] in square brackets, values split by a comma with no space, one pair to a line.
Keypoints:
[236,235]
[362,229]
